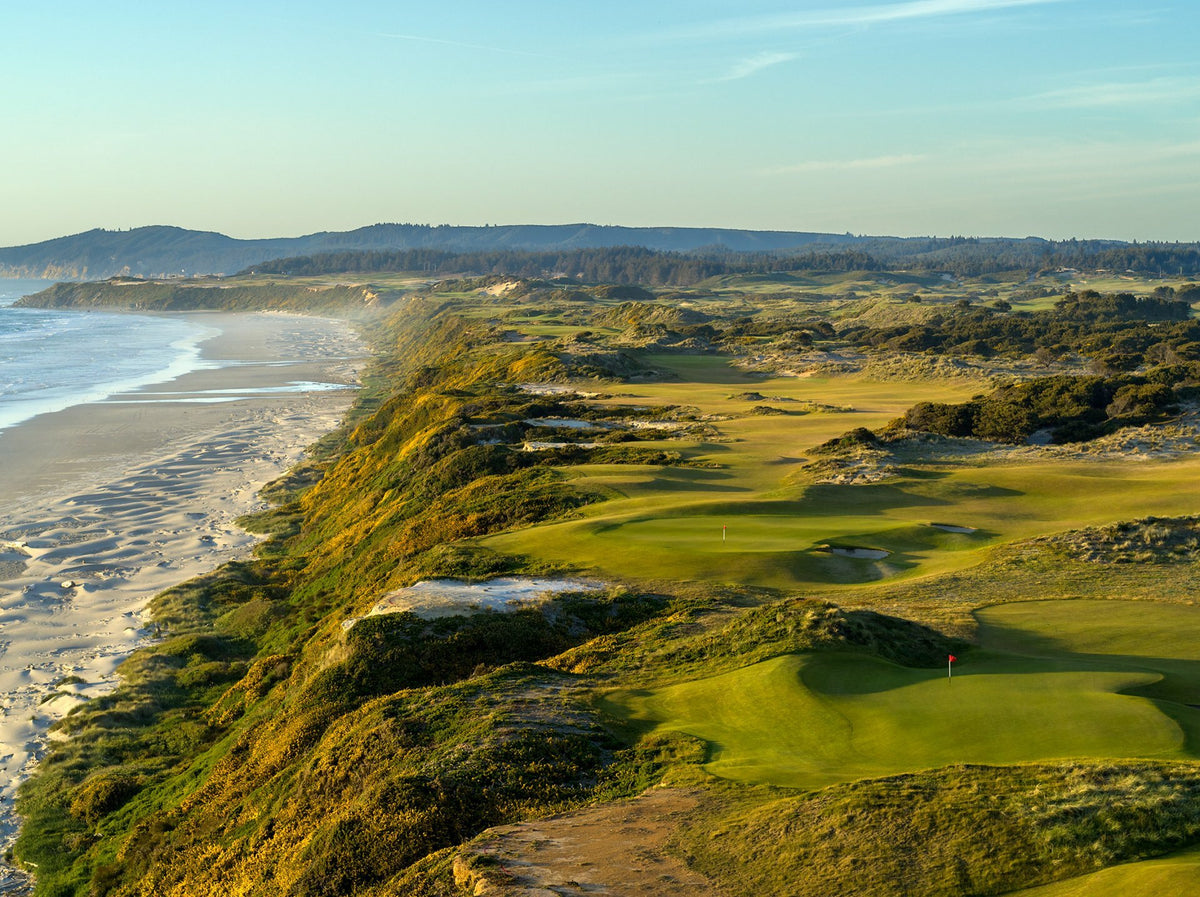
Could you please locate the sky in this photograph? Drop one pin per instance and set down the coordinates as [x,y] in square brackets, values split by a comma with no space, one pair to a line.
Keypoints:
[1055,118]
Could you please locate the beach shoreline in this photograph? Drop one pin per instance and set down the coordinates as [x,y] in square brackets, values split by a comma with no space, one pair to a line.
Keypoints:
[107,504]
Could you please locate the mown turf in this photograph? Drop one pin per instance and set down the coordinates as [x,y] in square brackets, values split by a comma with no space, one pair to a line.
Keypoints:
[1173,875]
[810,720]
[670,526]
[750,477]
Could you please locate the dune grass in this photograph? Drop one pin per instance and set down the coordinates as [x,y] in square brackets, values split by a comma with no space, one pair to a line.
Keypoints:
[1042,686]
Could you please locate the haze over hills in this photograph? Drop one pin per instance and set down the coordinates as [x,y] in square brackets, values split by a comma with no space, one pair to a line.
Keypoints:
[161,250]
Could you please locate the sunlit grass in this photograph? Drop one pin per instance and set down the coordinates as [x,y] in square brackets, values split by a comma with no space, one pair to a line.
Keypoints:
[1054,693]
[1170,875]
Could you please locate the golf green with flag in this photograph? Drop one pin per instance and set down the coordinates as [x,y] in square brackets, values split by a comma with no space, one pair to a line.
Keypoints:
[1024,695]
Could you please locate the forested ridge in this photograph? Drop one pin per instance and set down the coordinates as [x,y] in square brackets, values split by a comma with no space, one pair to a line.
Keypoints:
[637,265]
[685,255]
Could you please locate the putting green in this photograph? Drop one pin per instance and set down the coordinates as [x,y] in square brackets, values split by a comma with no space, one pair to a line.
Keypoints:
[810,720]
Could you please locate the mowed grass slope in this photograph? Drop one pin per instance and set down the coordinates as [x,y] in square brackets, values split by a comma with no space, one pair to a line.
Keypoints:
[1039,688]
[666,522]
[1177,874]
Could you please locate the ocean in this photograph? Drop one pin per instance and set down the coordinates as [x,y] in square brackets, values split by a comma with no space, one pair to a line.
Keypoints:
[52,359]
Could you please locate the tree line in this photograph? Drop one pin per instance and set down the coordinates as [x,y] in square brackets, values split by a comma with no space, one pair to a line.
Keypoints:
[1118,332]
[957,256]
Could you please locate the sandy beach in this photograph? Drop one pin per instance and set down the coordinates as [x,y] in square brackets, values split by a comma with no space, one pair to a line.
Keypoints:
[106,504]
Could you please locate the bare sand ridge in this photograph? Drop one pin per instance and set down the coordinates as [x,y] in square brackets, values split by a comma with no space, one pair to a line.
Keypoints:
[618,849]
[433,598]
[105,505]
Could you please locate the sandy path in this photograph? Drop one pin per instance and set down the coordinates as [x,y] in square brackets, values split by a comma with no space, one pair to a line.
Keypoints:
[616,849]
[105,505]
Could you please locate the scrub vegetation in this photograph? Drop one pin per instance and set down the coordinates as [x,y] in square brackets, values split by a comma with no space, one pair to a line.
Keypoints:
[788,499]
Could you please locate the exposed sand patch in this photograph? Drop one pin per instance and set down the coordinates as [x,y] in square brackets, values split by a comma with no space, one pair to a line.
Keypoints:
[951,528]
[110,503]
[547,446]
[502,289]
[566,423]
[433,598]
[616,849]
[866,554]
[554,389]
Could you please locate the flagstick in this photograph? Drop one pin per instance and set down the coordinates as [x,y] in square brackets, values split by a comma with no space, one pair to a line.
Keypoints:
[949,670]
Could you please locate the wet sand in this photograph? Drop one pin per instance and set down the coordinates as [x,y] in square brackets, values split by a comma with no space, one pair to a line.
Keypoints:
[105,505]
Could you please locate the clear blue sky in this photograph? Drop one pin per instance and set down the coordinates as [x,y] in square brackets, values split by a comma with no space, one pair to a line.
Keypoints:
[988,117]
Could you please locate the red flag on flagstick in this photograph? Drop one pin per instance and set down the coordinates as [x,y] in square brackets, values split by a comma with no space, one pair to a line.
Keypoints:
[953,658]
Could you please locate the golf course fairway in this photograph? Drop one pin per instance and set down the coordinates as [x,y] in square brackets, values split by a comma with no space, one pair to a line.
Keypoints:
[1038,688]
[1175,874]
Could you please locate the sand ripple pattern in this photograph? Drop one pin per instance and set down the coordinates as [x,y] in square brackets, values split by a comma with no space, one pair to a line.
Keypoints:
[77,572]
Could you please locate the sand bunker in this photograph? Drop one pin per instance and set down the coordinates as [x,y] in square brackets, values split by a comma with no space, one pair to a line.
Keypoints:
[548,446]
[655,425]
[554,389]
[849,551]
[566,423]
[951,528]
[434,598]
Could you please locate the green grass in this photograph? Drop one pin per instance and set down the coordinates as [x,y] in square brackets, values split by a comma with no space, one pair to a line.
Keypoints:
[667,524]
[663,523]
[1040,687]
[1138,631]
[1162,877]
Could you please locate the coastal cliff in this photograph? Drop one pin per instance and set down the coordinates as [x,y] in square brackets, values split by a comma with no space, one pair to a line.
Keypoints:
[307,726]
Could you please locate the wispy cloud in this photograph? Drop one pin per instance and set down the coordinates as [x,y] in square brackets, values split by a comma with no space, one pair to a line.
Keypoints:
[1126,93]
[463,45]
[1087,157]
[754,64]
[851,16]
[846,164]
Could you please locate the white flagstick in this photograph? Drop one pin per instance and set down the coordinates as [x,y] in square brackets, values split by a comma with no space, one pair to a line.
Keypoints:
[722,532]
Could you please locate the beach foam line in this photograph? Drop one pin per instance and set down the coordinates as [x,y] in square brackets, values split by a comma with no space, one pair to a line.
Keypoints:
[188,358]
[132,504]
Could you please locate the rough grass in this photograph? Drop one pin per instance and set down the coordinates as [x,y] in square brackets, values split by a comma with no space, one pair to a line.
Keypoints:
[954,831]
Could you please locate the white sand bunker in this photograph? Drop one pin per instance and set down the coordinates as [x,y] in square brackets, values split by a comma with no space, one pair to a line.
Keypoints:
[567,423]
[434,598]
[549,446]
[951,528]
[848,551]
[554,389]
